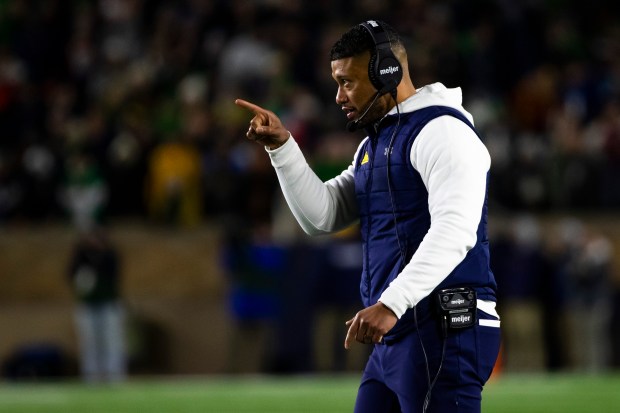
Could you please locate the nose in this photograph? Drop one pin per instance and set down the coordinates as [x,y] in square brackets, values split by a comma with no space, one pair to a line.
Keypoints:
[341,97]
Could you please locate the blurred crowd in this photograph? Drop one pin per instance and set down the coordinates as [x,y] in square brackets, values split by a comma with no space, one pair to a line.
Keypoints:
[556,295]
[124,108]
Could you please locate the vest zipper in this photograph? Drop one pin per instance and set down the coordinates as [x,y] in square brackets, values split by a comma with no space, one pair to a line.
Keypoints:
[373,145]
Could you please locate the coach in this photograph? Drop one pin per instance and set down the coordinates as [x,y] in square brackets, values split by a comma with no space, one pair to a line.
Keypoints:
[418,188]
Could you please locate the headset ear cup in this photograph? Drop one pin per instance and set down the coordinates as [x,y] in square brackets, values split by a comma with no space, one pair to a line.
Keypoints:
[384,69]
[373,72]
[388,71]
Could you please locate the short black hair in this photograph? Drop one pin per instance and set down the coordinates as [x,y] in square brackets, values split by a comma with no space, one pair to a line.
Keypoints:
[357,40]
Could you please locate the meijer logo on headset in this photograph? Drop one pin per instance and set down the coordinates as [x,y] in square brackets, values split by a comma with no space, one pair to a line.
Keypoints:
[388,70]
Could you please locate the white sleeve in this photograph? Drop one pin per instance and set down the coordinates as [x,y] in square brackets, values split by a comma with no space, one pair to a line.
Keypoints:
[319,207]
[453,164]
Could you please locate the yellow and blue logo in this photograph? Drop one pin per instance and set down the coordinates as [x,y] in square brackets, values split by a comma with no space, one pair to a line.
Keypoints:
[364,159]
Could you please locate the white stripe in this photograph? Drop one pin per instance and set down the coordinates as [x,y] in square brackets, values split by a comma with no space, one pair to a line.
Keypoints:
[488,307]
[489,323]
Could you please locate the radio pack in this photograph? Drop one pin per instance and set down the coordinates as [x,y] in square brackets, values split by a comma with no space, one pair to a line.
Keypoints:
[457,307]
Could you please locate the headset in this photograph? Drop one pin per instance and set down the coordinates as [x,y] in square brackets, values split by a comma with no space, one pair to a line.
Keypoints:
[384,70]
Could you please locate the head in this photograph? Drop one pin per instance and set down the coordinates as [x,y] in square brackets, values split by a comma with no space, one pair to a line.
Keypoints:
[366,65]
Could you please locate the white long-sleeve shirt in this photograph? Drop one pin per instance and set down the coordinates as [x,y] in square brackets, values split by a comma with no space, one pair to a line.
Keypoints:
[453,164]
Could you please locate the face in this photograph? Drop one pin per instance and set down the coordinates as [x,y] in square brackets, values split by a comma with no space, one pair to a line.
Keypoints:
[355,91]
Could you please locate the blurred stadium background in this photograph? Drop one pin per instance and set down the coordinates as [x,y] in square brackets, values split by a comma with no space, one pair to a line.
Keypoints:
[119,114]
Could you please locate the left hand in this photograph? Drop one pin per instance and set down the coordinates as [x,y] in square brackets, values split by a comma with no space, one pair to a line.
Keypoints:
[370,325]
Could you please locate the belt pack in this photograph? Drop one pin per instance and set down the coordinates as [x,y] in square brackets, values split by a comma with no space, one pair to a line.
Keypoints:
[457,307]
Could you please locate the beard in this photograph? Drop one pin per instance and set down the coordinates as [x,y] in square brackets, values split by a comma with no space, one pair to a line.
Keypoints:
[374,110]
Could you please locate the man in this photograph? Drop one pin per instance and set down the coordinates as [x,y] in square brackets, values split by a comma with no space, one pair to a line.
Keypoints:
[418,188]
[94,275]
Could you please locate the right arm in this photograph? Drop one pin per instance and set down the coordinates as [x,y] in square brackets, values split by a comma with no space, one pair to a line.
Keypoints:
[319,207]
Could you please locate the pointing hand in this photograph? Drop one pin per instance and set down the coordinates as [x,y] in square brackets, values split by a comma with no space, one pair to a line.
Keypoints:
[265,127]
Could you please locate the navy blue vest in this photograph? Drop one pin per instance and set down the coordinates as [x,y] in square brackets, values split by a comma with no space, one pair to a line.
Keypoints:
[394,216]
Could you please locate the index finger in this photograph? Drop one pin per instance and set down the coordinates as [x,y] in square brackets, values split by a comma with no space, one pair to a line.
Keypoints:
[352,332]
[250,106]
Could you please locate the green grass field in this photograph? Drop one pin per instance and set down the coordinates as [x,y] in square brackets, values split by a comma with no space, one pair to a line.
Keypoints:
[509,393]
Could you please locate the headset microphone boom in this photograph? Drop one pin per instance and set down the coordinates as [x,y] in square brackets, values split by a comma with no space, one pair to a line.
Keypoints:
[356,123]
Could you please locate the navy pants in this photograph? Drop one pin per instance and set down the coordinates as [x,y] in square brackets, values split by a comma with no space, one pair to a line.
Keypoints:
[396,378]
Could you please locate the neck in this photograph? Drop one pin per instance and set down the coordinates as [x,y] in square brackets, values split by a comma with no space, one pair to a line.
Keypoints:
[405,90]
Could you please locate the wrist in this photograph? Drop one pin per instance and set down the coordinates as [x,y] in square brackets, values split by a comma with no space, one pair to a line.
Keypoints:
[274,146]
[388,308]
[278,144]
